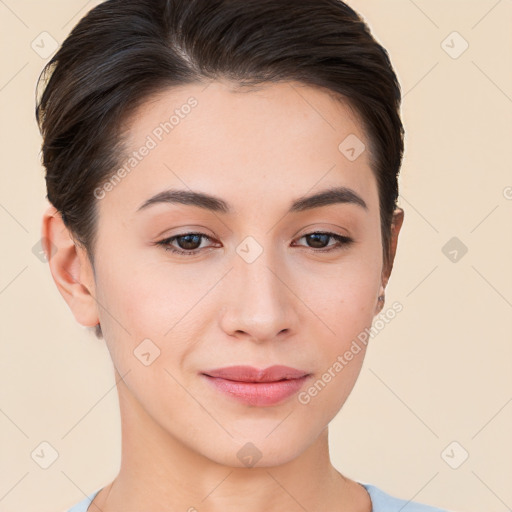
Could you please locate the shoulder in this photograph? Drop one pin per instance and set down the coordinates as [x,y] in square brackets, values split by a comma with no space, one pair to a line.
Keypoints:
[84,504]
[383,502]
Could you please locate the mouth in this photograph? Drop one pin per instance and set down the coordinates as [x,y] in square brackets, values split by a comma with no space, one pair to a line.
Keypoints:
[249,385]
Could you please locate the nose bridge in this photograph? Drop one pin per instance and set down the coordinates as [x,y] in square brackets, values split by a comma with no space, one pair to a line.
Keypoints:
[258,304]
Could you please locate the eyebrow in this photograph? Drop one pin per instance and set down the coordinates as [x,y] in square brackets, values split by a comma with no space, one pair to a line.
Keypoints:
[334,195]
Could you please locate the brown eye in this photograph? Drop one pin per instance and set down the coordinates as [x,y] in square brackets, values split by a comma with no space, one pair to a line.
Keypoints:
[188,243]
[319,240]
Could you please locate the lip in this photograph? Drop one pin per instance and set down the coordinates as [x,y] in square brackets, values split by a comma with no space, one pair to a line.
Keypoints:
[252,386]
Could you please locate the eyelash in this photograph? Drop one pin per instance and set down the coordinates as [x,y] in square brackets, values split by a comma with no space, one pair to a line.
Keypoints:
[343,242]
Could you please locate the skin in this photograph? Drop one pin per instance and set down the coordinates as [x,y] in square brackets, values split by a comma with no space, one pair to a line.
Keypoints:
[258,150]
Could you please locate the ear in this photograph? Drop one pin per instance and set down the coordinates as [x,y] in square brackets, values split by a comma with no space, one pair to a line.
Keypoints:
[396,225]
[70,268]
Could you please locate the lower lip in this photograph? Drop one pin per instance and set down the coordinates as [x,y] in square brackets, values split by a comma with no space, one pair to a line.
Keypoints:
[258,394]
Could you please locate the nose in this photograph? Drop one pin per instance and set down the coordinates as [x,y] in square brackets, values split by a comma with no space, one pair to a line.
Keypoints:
[258,303]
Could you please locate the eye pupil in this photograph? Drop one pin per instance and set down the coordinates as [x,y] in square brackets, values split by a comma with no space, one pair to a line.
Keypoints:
[319,237]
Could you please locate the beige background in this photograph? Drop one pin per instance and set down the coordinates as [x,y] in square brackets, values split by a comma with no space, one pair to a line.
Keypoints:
[440,372]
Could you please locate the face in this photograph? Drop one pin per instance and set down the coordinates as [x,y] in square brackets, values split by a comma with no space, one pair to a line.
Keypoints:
[251,277]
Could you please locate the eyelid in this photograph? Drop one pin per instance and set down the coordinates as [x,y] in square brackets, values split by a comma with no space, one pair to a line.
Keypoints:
[323,227]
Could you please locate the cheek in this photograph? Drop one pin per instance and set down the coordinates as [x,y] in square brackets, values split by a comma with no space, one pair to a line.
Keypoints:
[344,296]
[159,302]
[346,305]
[347,309]
[142,307]
[147,300]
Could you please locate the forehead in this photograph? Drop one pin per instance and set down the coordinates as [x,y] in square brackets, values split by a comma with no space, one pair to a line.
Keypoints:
[252,112]
[275,139]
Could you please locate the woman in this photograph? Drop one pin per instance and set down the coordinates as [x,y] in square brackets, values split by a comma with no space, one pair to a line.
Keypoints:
[223,181]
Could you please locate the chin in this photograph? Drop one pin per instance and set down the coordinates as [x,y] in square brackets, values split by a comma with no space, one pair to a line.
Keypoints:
[259,451]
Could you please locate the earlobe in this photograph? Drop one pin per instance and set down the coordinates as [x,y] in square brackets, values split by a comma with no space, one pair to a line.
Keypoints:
[70,268]
[380,302]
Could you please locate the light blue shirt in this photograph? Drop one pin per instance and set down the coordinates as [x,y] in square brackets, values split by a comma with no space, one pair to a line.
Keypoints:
[381,502]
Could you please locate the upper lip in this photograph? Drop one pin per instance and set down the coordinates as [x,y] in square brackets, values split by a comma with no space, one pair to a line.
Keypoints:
[251,374]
